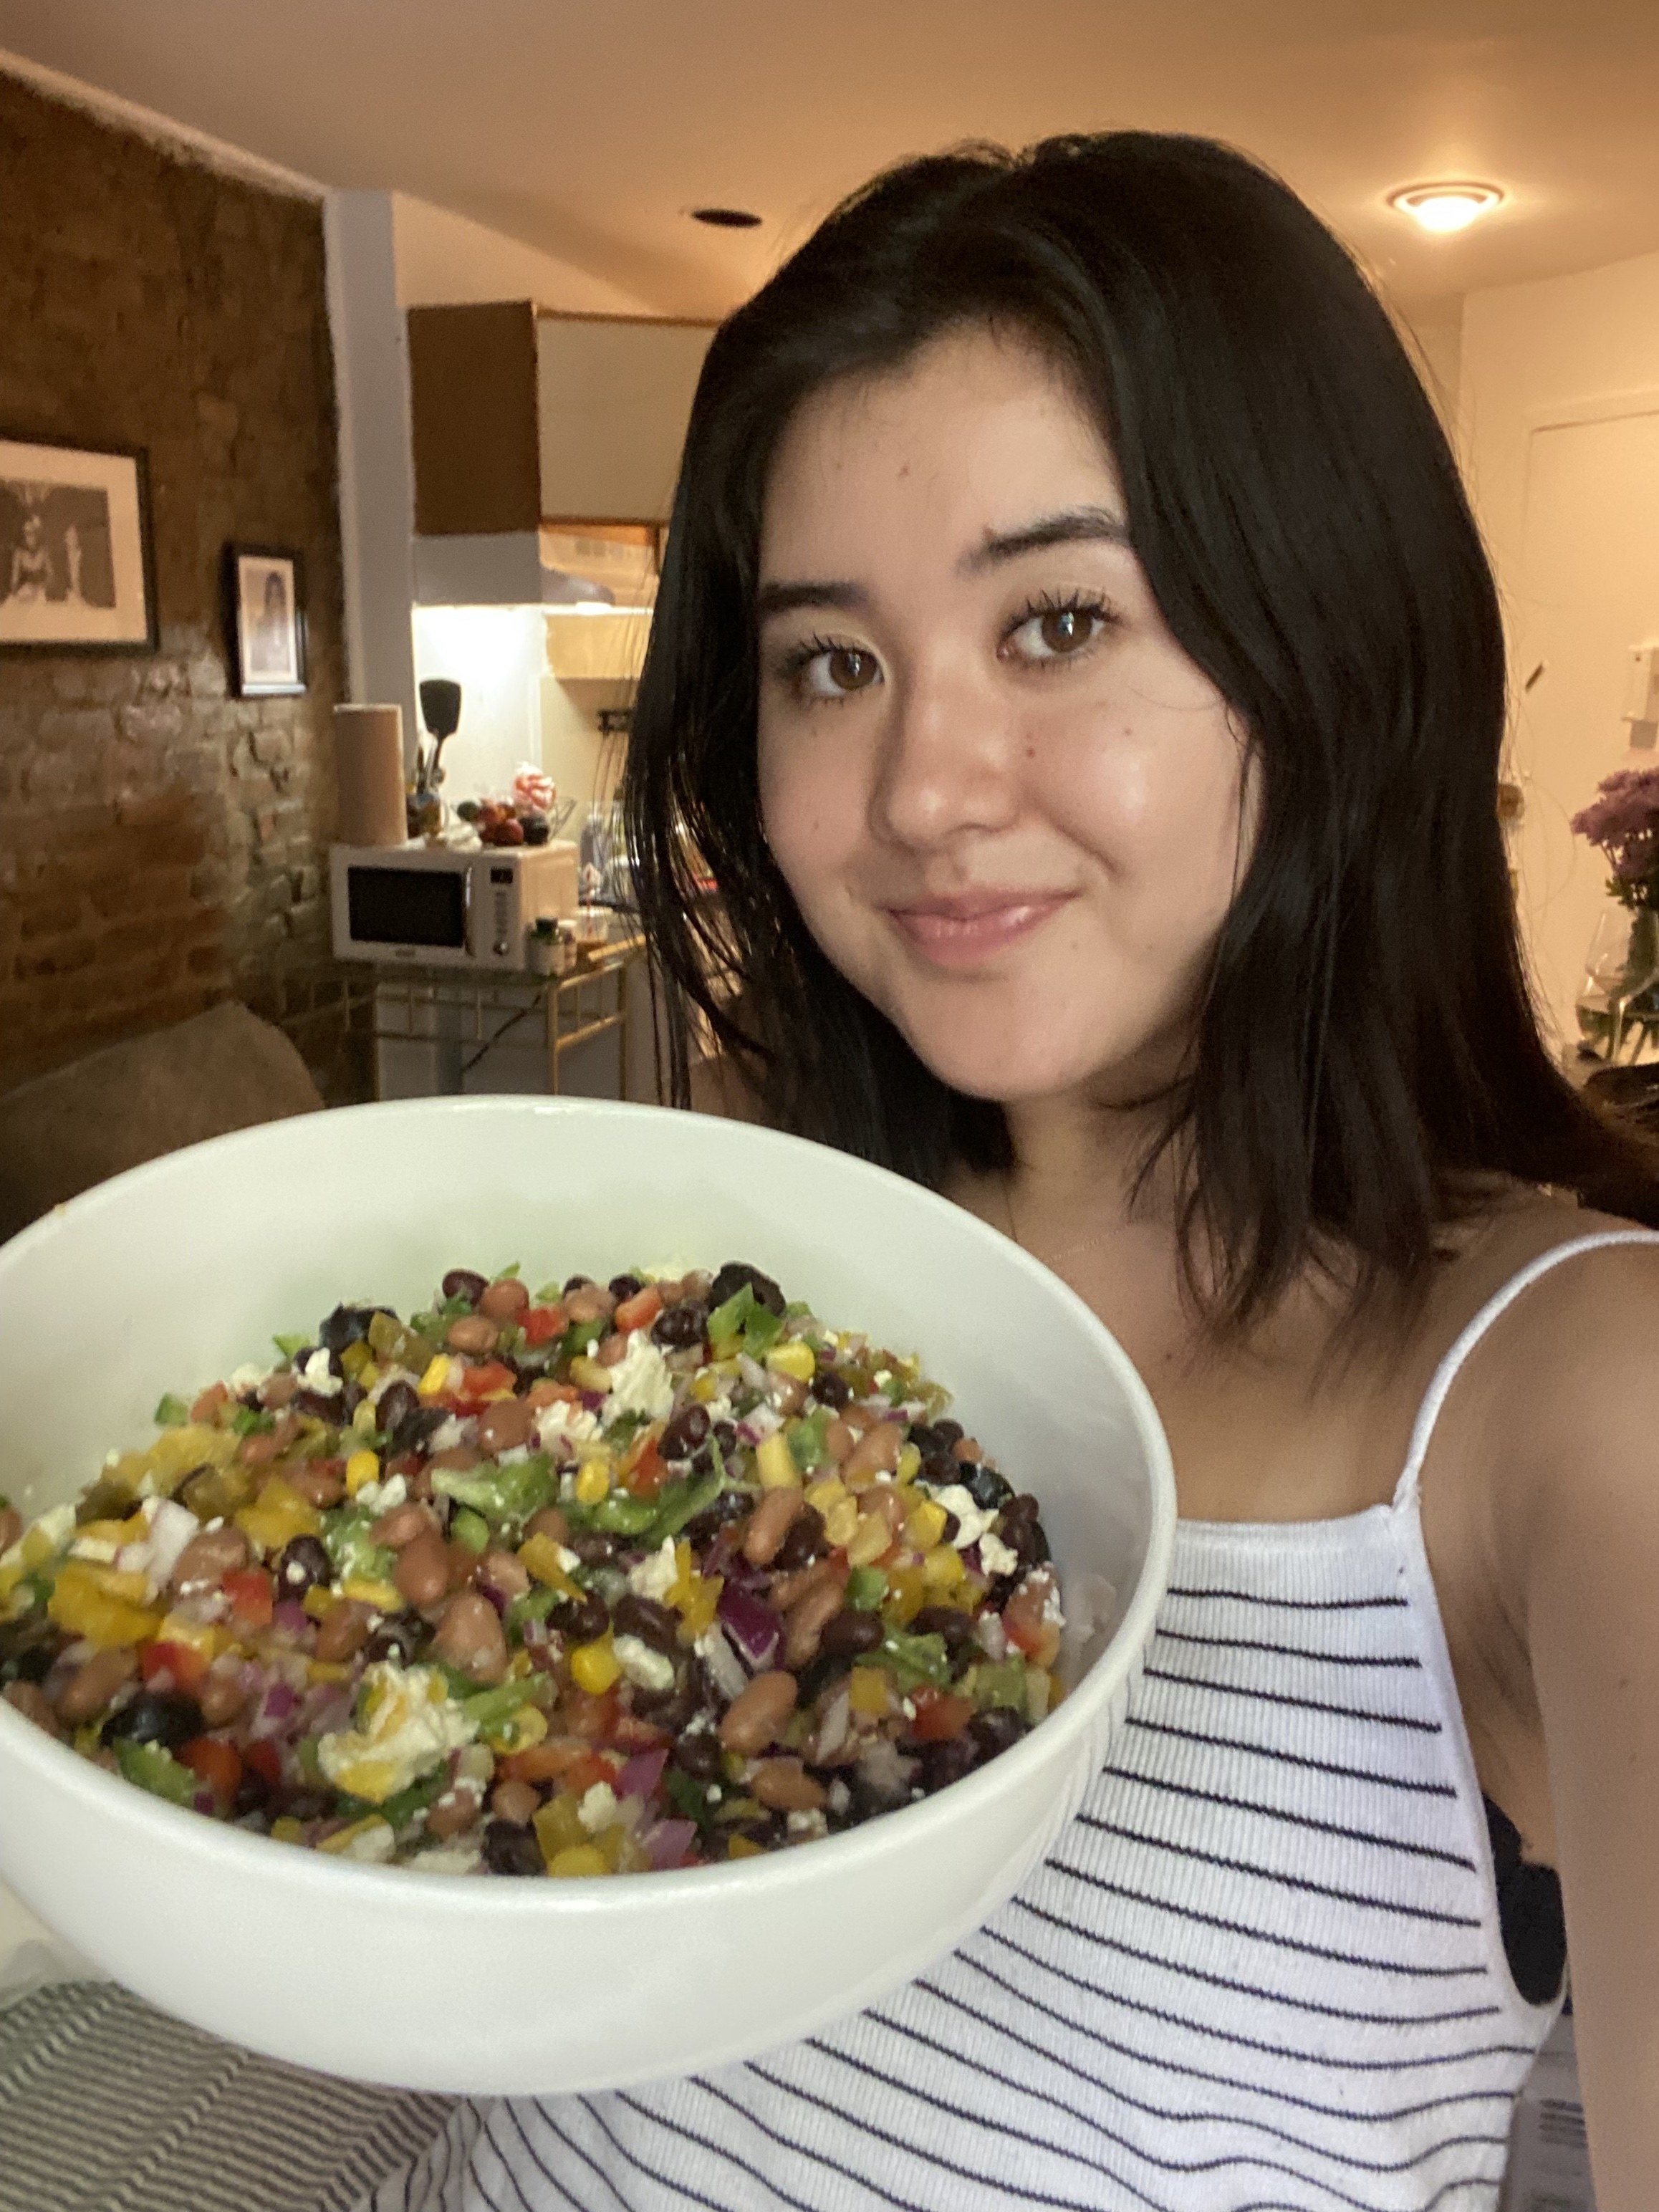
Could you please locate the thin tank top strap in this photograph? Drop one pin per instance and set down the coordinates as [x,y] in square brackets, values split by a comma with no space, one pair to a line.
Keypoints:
[1446,1374]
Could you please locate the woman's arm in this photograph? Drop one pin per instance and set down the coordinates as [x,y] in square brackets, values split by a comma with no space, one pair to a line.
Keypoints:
[1586,1584]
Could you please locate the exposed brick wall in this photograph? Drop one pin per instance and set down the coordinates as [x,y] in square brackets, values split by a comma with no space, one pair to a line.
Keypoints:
[162,843]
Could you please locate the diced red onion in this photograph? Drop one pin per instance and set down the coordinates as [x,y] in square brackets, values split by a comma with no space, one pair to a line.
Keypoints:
[667,1844]
[592,1399]
[280,1701]
[640,1777]
[754,1628]
[289,1613]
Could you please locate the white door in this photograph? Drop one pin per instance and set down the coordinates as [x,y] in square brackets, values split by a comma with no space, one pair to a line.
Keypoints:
[1589,591]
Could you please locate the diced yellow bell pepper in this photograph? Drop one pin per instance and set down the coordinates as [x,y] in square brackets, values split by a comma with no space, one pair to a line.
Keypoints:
[942,1568]
[588,1375]
[371,1838]
[362,1466]
[593,1481]
[558,1825]
[355,1358]
[200,1636]
[841,1520]
[744,1847]
[79,1604]
[363,1420]
[907,1594]
[580,1859]
[320,1600]
[868,1691]
[278,1515]
[327,1670]
[828,1490]
[924,1525]
[540,1556]
[775,1464]
[909,1464]
[705,1387]
[594,1667]
[794,1359]
[179,1452]
[869,1539]
[364,1589]
[287,1830]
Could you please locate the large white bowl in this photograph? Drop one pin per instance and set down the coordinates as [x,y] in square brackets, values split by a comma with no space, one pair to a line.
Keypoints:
[176,1272]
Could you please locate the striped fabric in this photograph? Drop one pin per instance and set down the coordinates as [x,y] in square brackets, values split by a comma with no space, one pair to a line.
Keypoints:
[1263,1971]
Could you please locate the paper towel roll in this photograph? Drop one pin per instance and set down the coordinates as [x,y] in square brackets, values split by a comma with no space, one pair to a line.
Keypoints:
[369,758]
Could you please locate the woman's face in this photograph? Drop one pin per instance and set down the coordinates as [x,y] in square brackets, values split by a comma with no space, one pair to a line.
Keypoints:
[1007,802]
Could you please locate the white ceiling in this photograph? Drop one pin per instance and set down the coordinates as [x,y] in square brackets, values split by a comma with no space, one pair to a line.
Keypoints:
[587,127]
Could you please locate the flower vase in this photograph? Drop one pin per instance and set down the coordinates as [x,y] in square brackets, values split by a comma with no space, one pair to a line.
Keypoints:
[1617,1003]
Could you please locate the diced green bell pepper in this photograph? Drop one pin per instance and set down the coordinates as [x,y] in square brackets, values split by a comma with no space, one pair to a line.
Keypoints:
[509,1494]
[470,1528]
[913,1660]
[865,1588]
[172,1413]
[157,1770]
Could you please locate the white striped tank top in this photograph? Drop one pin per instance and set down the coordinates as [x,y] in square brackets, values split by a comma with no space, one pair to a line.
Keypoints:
[1262,1971]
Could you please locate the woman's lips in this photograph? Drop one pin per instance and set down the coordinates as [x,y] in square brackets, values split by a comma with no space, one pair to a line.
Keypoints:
[966,932]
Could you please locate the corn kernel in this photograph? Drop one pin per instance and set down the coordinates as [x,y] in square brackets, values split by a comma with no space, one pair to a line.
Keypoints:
[362,1466]
[705,1389]
[362,1420]
[519,1730]
[793,1359]
[200,1636]
[828,1490]
[385,1597]
[942,1568]
[436,1376]
[592,1483]
[909,1464]
[841,1520]
[926,1525]
[588,1375]
[869,1539]
[743,1847]
[320,1600]
[775,1464]
[327,1670]
[867,1691]
[287,1830]
[594,1667]
[579,1859]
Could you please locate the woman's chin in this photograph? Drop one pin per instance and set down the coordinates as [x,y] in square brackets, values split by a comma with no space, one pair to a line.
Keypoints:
[999,1061]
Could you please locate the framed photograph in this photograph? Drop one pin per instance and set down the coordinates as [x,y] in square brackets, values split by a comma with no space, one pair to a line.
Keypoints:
[77,572]
[265,617]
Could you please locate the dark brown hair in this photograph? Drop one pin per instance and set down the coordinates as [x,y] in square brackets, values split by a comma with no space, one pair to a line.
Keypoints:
[1366,1055]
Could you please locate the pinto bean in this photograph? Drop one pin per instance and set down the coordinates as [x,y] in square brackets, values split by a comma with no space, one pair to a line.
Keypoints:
[220,1695]
[30,1700]
[769,1524]
[259,1450]
[787,1392]
[342,1631]
[788,1590]
[876,1452]
[613,1350]
[549,1522]
[589,1301]
[757,1715]
[11,1527]
[421,1572]
[806,1622]
[275,1391]
[320,1482]
[469,1637]
[457,1459]
[514,1801]
[506,1424]
[785,1785]
[504,1572]
[838,1439]
[453,1812]
[502,1300]
[92,1686]
[208,1559]
[401,1525]
[472,1333]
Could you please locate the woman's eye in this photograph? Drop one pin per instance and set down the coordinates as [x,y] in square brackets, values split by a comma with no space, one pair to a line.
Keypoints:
[1056,633]
[834,671]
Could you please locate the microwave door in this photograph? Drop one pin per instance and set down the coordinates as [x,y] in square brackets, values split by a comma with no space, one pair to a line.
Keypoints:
[425,909]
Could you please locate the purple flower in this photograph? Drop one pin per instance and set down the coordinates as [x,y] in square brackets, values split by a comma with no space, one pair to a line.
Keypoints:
[1623,820]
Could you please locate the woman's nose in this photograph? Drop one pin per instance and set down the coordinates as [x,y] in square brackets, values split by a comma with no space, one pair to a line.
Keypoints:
[948,758]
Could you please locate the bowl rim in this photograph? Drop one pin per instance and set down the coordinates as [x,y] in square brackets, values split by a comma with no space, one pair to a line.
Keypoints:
[59,1763]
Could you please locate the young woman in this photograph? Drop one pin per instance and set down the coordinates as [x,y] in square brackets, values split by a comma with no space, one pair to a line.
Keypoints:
[1076,659]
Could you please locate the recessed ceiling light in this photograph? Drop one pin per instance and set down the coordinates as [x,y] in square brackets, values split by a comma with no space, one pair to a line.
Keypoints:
[1445,207]
[722,218]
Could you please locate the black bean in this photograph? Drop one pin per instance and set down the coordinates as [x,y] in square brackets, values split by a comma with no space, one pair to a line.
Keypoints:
[725,1436]
[313,1403]
[27,1653]
[396,1401]
[803,1541]
[768,1832]
[399,1637]
[994,1730]
[732,1276]
[302,1563]
[462,1283]
[850,1633]
[580,1620]
[870,1797]
[675,1709]
[351,1397]
[928,1439]
[940,1469]
[820,1675]
[984,1486]
[303,1804]
[252,1793]
[653,1624]
[1022,1532]
[945,1763]
[831,1389]
[416,1430]
[688,1429]
[624,1286]
[949,1432]
[945,1620]
[509,1848]
[730,1505]
[345,1325]
[699,1755]
[165,1717]
[951,1529]
[594,1547]
[678,1328]
[576,1283]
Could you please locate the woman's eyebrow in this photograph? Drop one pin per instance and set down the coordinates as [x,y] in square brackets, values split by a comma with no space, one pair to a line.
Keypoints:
[782,599]
[1076,525]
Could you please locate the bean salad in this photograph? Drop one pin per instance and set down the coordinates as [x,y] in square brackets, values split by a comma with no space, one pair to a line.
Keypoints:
[601,1579]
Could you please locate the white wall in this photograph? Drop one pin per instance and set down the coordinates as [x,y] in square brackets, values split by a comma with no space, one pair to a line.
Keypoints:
[1559,393]
[444,259]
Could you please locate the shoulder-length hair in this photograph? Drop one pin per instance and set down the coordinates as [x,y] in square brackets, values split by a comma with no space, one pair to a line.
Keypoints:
[1366,1056]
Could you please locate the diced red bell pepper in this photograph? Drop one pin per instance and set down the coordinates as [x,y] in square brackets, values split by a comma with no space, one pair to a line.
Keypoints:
[541,1324]
[218,1764]
[939,1714]
[591,1717]
[1023,1617]
[639,1311]
[486,1378]
[186,1665]
[630,1734]
[265,1760]
[585,1772]
[253,1597]
[648,1473]
[545,1392]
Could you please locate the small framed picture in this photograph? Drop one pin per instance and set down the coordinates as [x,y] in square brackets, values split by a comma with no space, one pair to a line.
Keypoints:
[265,617]
[76,572]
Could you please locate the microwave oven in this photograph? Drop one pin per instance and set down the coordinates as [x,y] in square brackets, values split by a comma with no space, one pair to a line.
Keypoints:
[446,906]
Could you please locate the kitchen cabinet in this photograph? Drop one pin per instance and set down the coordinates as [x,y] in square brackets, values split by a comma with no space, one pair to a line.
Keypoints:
[522,417]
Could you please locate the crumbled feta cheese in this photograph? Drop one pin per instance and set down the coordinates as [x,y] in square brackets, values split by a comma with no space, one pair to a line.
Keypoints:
[1051,1612]
[568,1560]
[447,1858]
[373,1843]
[995,1556]
[448,1433]
[973,1517]
[808,1824]
[515,1456]
[992,1635]
[646,1668]
[561,1422]
[597,1808]
[656,1574]
[246,1377]
[316,1375]
[410,1723]
[382,1497]
[641,1382]
[98,1549]
[883,1375]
